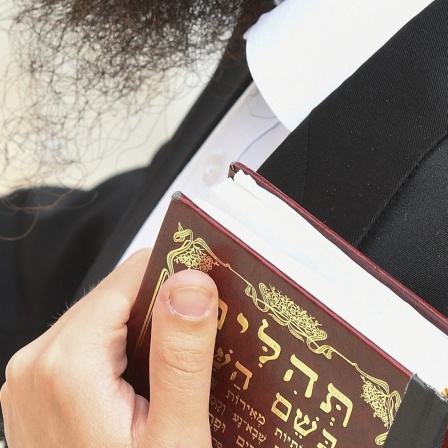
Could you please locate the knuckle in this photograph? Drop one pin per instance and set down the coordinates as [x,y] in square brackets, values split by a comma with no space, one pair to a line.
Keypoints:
[18,367]
[31,366]
[52,374]
[46,364]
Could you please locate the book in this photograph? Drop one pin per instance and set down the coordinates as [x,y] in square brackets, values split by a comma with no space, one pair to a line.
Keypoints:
[316,346]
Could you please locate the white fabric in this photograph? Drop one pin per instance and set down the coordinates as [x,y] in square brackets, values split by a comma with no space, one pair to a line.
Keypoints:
[314,45]
[248,133]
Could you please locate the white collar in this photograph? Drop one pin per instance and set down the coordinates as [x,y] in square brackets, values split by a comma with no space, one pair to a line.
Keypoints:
[304,49]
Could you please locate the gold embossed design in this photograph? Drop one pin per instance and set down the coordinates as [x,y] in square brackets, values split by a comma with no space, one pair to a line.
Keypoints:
[307,329]
[384,404]
[287,313]
[193,254]
[196,259]
[196,254]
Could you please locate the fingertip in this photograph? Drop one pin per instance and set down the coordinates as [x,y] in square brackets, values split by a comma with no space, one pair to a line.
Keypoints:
[184,324]
[190,294]
[192,277]
[181,357]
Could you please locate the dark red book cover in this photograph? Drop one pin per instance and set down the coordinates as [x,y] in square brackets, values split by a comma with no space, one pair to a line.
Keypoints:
[287,371]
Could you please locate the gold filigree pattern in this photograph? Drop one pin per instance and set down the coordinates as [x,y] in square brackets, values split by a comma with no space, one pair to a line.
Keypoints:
[196,254]
[384,404]
[195,258]
[307,329]
[287,313]
[379,401]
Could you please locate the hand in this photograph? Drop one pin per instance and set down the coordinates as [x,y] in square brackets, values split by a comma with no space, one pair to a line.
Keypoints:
[65,389]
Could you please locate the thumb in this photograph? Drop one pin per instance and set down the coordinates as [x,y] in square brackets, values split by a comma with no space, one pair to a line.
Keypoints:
[182,342]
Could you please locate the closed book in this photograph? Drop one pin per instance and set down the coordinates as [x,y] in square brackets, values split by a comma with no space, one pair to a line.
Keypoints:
[313,350]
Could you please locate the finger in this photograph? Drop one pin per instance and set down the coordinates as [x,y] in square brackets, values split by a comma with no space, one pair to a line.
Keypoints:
[121,285]
[183,337]
[107,306]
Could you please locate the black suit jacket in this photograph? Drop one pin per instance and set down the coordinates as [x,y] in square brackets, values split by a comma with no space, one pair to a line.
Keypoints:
[370,161]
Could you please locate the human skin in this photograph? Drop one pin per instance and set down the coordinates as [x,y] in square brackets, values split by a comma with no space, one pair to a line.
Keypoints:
[66,389]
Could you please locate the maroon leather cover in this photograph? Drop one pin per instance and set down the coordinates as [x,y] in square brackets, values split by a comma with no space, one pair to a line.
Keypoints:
[287,371]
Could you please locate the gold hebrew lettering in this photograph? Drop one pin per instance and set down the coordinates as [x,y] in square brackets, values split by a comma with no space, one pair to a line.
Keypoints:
[243,322]
[222,313]
[338,395]
[269,342]
[240,442]
[284,415]
[220,359]
[299,426]
[243,370]
[329,438]
[310,373]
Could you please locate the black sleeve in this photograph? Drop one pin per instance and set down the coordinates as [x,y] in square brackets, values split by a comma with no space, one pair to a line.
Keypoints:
[49,237]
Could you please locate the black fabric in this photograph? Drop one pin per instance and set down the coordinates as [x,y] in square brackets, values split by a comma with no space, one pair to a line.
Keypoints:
[410,238]
[286,167]
[45,254]
[413,425]
[365,139]
[373,157]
